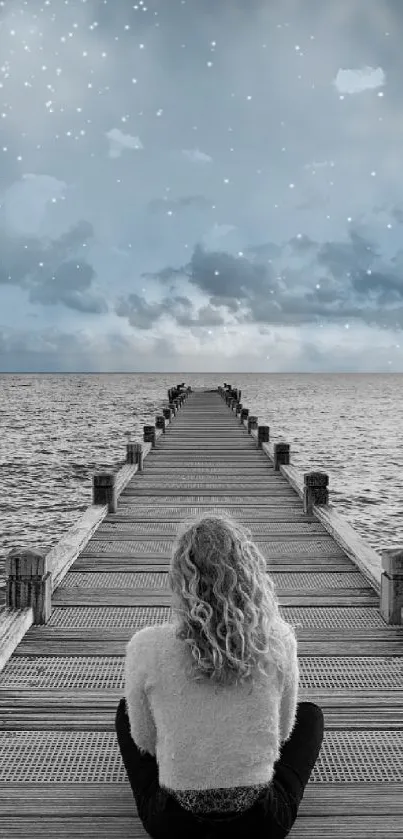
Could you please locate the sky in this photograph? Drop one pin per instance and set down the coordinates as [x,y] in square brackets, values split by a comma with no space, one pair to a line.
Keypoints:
[201,186]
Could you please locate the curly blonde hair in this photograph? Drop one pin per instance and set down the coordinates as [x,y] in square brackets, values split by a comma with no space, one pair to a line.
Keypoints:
[226,605]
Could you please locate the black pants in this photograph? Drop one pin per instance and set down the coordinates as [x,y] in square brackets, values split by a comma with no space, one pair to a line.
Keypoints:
[270,817]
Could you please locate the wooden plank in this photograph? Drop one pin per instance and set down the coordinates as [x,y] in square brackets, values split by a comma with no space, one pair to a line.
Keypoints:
[218,492]
[99,646]
[98,800]
[308,563]
[266,507]
[112,536]
[162,513]
[95,826]
[315,546]
[159,597]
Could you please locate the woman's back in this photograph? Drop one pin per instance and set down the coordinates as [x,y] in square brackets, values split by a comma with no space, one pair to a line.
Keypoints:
[216,745]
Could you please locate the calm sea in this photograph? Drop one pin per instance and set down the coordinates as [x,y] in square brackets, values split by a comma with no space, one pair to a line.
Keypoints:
[56,430]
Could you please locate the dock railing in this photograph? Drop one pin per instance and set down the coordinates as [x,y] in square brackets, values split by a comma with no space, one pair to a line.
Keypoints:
[32,576]
[384,571]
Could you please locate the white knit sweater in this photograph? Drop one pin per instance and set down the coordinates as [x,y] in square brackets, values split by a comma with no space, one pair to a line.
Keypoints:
[205,736]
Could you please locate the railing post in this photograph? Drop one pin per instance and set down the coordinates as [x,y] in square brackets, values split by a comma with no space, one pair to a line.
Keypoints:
[391,602]
[244,414]
[29,583]
[315,490]
[135,454]
[104,490]
[281,455]
[167,412]
[160,422]
[252,423]
[173,408]
[263,435]
[238,408]
[149,435]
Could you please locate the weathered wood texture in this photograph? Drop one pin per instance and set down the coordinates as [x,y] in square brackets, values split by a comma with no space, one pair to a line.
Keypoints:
[61,773]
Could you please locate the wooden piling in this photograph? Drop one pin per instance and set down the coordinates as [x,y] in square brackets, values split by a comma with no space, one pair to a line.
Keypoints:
[149,435]
[281,453]
[315,490]
[28,583]
[252,423]
[392,586]
[104,490]
[135,454]
[263,434]
[160,422]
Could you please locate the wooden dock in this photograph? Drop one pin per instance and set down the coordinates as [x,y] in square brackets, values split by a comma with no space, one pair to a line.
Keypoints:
[62,658]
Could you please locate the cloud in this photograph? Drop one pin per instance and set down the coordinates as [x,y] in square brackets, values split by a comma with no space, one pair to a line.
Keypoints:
[334,282]
[143,315]
[70,285]
[49,272]
[197,156]
[266,250]
[238,349]
[356,81]
[119,142]
[198,202]
[26,202]
[219,273]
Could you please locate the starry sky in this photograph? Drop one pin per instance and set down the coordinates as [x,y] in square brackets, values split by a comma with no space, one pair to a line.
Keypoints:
[201,185]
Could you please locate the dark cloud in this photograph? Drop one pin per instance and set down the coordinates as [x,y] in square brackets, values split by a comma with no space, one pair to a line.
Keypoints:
[220,274]
[357,252]
[207,316]
[49,273]
[70,286]
[144,315]
[336,282]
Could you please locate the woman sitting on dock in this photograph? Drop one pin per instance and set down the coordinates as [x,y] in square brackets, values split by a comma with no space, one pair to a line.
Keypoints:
[212,737]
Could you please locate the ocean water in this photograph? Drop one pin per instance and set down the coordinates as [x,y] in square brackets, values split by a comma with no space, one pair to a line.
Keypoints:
[56,430]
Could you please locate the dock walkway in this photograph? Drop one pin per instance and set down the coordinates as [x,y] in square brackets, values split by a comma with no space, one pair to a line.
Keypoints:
[61,773]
